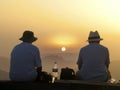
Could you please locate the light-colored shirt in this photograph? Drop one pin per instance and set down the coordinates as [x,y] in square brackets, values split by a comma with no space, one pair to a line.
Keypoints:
[93,59]
[24,58]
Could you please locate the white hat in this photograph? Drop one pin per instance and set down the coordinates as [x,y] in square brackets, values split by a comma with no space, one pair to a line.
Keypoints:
[94,36]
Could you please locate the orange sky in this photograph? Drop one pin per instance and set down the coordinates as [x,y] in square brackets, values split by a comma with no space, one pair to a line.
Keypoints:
[60,23]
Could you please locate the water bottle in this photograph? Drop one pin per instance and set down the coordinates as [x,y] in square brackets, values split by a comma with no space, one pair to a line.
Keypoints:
[54,72]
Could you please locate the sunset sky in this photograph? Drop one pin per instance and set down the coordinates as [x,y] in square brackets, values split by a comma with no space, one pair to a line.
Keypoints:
[59,23]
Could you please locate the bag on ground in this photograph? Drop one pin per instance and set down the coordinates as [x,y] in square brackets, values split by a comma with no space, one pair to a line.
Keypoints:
[67,74]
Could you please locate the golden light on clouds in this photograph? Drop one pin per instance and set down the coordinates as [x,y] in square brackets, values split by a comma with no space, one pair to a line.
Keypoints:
[64,40]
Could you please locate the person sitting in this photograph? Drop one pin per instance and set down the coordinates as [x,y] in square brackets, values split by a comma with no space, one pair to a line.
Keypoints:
[93,61]
[25,62]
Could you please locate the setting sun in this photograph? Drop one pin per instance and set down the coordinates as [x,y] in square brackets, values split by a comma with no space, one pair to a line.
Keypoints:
[63,49]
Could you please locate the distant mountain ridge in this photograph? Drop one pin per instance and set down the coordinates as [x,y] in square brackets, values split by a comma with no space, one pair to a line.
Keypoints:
[4,75]
[4,68]
[4,63]
[62,59]
[114,68]
[60,56]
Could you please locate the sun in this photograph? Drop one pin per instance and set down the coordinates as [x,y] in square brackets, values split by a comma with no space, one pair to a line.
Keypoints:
[63,49]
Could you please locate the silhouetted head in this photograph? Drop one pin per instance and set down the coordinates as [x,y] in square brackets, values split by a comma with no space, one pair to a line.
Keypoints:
[94,37]
[28,36]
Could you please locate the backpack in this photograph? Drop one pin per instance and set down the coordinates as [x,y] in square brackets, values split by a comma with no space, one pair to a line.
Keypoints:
[44,77]
[67,74]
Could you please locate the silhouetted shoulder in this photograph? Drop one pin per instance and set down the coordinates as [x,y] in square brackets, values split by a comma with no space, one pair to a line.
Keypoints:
[102,46]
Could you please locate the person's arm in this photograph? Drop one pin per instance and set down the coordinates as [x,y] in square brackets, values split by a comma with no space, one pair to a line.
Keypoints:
[107,65]
[107,62]
[80,65]
[79,62]
[38,63]
[39,70]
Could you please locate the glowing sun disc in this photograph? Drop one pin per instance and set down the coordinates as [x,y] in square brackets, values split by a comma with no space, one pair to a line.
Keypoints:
[63,49]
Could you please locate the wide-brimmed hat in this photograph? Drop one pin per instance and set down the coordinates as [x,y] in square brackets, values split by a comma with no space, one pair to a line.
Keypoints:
[28,36]
[94,36]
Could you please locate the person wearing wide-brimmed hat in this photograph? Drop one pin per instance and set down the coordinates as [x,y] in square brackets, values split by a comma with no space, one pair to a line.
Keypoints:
[93,61]
[25,58]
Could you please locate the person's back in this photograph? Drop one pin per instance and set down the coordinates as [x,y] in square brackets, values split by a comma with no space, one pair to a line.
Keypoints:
[92,62]
[93,59]
[24,58]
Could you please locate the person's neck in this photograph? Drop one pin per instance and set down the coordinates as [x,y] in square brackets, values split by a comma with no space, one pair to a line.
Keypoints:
[94,43]
[28,42]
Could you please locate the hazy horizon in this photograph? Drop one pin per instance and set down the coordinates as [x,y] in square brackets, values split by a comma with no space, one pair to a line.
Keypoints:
[62,61]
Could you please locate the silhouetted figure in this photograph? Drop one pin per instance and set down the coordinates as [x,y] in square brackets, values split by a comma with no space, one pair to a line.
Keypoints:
[25,64]
[93,61]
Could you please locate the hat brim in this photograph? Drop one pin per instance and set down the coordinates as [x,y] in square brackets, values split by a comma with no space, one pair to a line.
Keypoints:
[95,39]
[30,39]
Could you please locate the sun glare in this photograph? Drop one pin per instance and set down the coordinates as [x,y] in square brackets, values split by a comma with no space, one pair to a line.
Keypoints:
[63,49]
